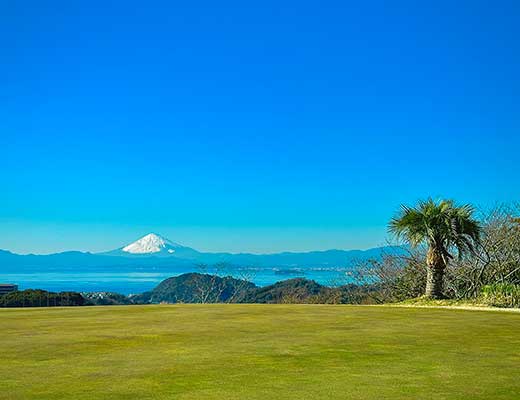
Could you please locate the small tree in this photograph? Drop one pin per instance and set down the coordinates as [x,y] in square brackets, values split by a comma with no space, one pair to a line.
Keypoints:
[443,227]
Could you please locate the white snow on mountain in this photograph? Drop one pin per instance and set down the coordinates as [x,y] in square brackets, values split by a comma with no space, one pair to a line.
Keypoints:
[151,243]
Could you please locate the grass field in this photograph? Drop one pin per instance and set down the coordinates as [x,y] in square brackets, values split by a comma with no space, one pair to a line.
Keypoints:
[258,352]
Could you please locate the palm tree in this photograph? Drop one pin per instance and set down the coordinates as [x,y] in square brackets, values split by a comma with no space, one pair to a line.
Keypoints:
[443,227]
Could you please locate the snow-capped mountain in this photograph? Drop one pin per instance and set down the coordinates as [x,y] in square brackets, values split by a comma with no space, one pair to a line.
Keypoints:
[155,251]
[151,243]
[154,245]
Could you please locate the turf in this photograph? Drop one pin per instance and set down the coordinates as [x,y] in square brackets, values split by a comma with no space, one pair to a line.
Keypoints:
[258,352]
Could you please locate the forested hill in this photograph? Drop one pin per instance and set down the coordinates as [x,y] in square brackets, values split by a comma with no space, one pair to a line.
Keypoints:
[204,288]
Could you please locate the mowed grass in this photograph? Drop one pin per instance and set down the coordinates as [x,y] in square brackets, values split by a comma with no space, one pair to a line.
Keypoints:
[258,352]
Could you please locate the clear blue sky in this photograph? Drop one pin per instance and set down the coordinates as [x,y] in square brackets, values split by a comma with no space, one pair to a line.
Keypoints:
[250,126]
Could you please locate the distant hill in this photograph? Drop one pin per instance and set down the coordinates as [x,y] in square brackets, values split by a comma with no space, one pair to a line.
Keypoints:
[204,288]
[154,251]
[197,288]
[80,262]
[289,291]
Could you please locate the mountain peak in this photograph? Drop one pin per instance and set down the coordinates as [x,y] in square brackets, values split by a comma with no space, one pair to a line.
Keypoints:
[151,243]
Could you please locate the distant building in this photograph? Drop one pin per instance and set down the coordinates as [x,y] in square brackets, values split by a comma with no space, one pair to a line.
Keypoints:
[7,288]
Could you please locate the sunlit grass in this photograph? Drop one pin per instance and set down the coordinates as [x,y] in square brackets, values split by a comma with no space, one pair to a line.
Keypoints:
[258,352]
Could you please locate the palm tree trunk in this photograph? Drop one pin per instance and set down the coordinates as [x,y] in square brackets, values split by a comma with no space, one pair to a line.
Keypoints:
[434,283]
[435,274]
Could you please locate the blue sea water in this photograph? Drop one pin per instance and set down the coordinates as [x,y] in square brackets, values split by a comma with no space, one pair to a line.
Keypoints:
[138,282]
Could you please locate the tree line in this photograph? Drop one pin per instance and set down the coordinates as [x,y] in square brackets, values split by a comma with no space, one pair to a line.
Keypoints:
[41,298]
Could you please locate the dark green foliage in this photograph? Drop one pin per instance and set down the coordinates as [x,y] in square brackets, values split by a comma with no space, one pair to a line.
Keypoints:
[197,288]
[295,290]
[305,291]
[41,298]
[204,288]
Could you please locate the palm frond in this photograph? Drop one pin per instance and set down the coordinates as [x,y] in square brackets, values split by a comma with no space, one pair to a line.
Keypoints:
[442,224]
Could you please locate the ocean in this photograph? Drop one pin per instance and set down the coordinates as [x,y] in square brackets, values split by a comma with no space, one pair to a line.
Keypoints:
[133,282]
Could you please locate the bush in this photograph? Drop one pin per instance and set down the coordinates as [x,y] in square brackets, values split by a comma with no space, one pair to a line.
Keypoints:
[501,295]
[41,298]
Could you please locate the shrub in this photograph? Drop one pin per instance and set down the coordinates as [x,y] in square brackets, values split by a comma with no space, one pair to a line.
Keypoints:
[501,295]
[41,298]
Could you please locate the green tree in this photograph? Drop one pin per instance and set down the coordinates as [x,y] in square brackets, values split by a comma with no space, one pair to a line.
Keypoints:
[444,227]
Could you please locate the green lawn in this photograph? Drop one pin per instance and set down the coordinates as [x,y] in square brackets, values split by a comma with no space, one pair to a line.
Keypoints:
[258,352]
